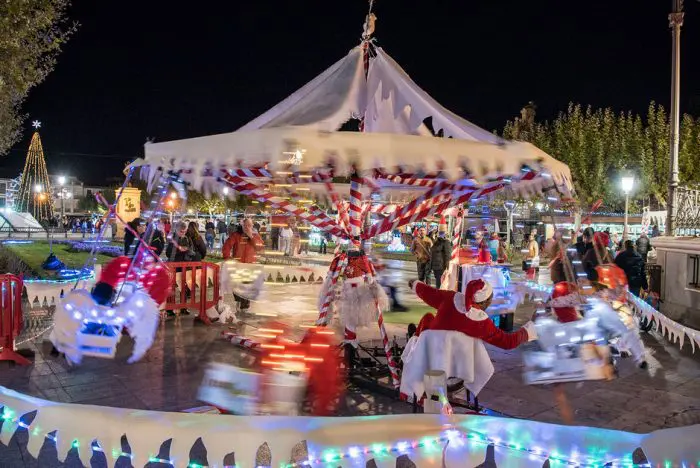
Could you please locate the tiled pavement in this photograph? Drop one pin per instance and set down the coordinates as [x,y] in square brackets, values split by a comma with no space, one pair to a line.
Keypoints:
[167,378]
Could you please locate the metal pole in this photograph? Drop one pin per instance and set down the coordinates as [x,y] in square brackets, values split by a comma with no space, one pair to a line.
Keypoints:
[675,22]
[627,206]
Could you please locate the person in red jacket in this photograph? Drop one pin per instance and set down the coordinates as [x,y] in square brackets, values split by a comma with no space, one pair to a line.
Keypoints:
[465,313]
[243,246]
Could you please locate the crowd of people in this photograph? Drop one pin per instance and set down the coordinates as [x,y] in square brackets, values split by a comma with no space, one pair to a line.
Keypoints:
[592,249]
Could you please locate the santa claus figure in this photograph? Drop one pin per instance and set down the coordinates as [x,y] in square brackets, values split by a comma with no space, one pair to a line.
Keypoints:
[359,297]
[453,341]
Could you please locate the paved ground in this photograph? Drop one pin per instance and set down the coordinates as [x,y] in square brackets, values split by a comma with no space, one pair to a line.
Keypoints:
[167,379]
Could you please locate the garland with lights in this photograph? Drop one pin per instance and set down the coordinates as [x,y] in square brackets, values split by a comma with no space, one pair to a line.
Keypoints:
[34,195]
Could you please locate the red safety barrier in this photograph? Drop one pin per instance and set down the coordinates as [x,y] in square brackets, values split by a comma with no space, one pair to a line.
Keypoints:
[194,290]
[10,318]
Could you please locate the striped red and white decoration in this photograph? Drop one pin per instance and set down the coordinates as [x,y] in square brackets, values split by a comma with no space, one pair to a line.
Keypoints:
[240,340]
[457,235]
[355,210]
[318,218]
[335,273]
[427,210]
[259,172]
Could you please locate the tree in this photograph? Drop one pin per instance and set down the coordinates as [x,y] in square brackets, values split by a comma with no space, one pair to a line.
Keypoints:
[599,145]
[31,36]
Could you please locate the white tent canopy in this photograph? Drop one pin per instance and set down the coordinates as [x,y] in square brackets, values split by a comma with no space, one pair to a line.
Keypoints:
[394,109]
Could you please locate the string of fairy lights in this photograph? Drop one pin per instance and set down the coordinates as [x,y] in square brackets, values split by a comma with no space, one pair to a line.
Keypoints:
[453,437]
[35,195]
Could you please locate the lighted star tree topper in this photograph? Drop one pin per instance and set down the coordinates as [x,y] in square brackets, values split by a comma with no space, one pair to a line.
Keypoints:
[34,195]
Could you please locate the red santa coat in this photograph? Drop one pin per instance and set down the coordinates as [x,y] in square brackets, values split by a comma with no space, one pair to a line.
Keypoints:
[453,316]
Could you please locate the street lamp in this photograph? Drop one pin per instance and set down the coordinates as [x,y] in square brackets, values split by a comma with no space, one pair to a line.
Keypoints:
[62,182]
[627,183]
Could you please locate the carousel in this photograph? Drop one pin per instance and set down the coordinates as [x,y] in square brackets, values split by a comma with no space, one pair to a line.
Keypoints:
[395,171]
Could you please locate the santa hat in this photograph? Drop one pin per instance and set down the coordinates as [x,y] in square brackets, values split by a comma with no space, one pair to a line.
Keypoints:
[112,274]
[564,301]
[477,291]
[442,227]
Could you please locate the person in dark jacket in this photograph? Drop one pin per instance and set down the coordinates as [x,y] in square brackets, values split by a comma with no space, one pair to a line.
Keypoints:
[157,240]
[597,254]
[633,265]
[222,230]
[643,245]
[130,242]
[440,257]
[180,249]
[198,244]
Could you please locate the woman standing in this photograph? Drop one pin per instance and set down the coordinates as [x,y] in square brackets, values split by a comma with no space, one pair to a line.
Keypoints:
[199,247]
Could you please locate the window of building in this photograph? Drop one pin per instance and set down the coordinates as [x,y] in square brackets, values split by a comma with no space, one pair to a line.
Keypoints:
[694,271]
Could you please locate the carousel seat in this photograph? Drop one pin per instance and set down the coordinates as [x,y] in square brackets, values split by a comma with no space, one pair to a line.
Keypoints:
[461,357]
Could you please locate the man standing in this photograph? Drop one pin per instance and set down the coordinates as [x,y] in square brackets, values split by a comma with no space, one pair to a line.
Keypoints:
[643,245]
[440,256]
[222,230]
[421,249]
[633,265]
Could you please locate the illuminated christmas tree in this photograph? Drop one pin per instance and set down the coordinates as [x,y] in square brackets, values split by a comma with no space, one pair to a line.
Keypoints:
[34,195]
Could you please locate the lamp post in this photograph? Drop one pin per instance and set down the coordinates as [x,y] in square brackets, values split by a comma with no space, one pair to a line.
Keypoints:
[62,182]
[675,20]
[627,183]
[171,205]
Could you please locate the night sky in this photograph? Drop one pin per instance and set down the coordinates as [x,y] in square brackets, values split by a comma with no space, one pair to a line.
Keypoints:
[153,68]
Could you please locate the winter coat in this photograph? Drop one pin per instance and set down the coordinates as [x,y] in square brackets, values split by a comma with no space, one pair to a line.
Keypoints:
[176,255]
[221,227]
[440,254]
[633,265]
[421,249]
[452,316]
[242,247]
[199,248]
[158,242]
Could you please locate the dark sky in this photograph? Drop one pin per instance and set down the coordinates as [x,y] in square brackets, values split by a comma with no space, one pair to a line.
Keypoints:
[154,68]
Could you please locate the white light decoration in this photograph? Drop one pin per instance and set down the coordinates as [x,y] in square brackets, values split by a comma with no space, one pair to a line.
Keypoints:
[627,184]
[62,180]
[36,124]
[37,188]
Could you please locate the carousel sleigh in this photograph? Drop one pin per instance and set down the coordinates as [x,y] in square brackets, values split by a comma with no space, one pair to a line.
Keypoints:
[568,352]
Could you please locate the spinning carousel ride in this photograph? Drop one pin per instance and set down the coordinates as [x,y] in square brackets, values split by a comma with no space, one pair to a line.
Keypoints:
[397,171]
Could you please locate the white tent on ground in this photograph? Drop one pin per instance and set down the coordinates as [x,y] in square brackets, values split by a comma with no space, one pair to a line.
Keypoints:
[18,223]
[393,109]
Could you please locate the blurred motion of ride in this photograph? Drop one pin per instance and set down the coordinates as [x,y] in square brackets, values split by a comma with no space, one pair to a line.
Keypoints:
[286,377]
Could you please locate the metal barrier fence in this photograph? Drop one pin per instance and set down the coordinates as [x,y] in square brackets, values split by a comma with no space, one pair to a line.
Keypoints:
[10,318]
[195,285]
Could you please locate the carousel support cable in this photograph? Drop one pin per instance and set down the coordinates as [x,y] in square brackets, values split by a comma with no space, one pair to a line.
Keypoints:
[92,258]
[318,219]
